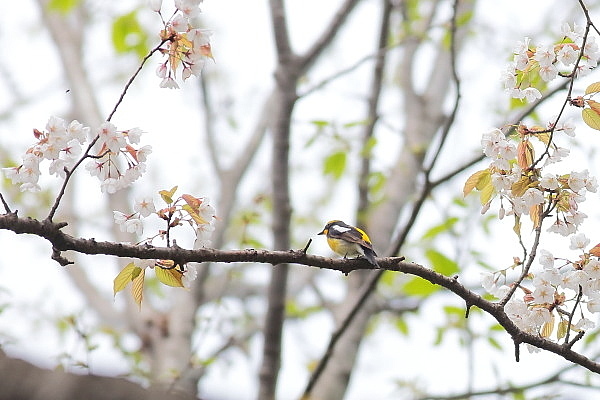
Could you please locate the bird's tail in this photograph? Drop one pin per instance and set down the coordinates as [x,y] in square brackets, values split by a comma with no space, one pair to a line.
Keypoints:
[370,256]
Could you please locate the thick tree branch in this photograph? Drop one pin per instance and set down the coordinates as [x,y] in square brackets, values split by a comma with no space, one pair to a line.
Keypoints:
[280,30]
[21,380]
[287,77]
[61,241]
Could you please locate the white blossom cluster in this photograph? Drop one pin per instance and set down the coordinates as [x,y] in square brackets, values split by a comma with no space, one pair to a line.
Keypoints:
[562,192]
[540,299]
[144,207]
[62,144]
[115,145]
[551,293]
[186,46]
[197,212]
[554,298]
[548,61]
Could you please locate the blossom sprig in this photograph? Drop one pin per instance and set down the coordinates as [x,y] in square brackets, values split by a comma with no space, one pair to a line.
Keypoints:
[185,209]
[533,66]
[513,177]
[62,144]
[120,161]
[553,300]
[186,46]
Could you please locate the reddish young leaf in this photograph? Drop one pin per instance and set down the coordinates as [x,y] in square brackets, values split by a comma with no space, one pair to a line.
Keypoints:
[525,154]
[595,251]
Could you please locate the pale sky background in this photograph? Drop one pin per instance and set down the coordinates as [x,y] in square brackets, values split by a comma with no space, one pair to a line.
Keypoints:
[37,290]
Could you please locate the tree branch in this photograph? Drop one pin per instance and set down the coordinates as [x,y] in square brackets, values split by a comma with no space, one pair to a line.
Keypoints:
[507,389]
[22,380]
[280,31]
[61,242]
[328,34]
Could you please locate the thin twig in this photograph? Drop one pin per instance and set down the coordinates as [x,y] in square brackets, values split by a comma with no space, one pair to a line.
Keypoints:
[130,81]
[86,154]
[428,185]
[345,71]
[524,113]
[325,39]
[571,82]
[5,204]
[209,126]
[572,314]
[450,121]
[526,267]
[68,176]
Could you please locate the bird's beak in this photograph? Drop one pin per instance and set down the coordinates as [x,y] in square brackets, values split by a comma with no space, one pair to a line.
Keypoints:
[322,232]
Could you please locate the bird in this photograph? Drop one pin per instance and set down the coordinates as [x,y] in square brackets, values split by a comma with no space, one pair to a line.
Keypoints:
[349,241]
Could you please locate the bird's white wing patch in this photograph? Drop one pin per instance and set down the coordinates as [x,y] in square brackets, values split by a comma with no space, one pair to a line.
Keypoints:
[340,229]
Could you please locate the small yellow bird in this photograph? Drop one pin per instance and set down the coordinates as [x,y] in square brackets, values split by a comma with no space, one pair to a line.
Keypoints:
[349,241]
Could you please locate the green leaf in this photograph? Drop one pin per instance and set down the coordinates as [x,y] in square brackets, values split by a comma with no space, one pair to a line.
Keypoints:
[496,328]
[388,278]
[128,36]
[439,336]
[519,395]
[419,287]
[402,326]
[170,277]
[137,288]
[368,147]
[477,180]
[253,243]
[335,164]
[167,195]
[593,88]
[460,311]
[127,274]
[440,263]
[294,310]
[441,228]
[591,118]
[355,123]
[461,20]
[192,213]
[320,123]
[377,182]
[486,193]
[494,343]
[459,202]
[62,6]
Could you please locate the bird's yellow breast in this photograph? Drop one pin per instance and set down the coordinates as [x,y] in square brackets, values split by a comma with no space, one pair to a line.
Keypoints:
[344,248]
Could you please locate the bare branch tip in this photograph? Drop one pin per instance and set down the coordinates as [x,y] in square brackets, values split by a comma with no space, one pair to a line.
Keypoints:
[577,337]
[307,246]
[56,256]
[517,349]
[60,225]
[468,309]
